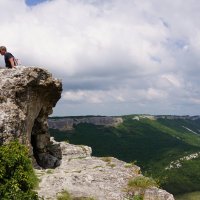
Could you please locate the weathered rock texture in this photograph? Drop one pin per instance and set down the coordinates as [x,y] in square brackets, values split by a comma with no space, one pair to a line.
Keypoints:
[69,123]
[27,95]
[85,176]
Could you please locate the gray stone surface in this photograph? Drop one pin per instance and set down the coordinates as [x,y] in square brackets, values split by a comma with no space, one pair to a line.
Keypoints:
[85,176]
[27,96]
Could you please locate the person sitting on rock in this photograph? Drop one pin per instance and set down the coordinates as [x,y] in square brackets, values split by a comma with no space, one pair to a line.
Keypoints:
[10,60]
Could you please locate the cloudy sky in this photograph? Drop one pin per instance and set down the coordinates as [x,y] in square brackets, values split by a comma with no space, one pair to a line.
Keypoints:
[114,56]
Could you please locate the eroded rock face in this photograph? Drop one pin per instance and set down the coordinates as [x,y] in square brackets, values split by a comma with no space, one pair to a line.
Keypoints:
[27,96]
[67,123]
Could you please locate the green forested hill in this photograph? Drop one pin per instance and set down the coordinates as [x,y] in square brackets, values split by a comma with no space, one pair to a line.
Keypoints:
[152,144]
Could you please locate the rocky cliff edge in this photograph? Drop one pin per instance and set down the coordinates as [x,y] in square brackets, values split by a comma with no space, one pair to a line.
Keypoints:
[85,177]
[27,96]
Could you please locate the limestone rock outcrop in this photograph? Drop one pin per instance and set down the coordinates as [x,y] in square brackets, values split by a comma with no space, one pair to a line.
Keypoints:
[83,175]
[67,123]
[27,96]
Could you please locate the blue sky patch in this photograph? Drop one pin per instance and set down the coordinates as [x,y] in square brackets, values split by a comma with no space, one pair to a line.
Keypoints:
[34,2]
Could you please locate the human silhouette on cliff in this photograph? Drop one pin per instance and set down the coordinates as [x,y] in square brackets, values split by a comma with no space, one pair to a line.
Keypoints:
[10,60]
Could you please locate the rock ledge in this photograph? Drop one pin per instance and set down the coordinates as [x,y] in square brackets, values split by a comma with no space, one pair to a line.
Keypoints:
[27,96]
[85,176]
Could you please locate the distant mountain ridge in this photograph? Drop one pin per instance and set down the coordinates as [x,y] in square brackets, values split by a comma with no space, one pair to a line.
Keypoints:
[67,123]
[195,117]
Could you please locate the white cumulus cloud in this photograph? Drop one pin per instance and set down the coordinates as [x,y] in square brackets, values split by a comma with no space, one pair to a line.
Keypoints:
[114,56]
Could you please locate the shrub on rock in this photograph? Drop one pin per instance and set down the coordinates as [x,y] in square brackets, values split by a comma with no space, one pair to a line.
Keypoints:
[17,178]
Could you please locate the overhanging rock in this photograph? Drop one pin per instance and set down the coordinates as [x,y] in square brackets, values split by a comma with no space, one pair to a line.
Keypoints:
[27,96]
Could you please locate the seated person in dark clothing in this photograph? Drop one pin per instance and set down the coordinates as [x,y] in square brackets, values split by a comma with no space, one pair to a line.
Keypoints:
[9,58]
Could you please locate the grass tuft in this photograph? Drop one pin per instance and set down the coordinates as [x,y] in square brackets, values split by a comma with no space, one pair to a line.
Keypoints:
[107,159]
[66,196]
[142,182]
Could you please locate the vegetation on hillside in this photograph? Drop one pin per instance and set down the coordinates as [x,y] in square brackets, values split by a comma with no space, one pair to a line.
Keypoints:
[184,179]
[154,144]
[189,196]
[17,178]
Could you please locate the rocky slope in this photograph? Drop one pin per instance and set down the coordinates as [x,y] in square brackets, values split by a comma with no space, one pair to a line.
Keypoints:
[85,176]
[27,95]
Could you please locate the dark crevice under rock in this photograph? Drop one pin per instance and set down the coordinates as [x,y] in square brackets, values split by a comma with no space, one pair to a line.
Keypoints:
[47,154]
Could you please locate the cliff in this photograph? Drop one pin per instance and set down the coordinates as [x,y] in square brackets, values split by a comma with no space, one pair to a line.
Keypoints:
[66,123]
[27,96]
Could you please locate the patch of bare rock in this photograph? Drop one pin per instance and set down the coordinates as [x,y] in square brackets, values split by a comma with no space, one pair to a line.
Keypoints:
[83,175]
